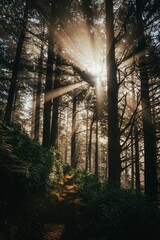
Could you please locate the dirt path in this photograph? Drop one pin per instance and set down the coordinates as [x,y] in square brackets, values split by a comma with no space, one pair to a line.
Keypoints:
[62,221]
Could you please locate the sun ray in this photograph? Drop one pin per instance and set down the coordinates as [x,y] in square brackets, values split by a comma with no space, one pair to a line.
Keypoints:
[81,46]
[62,90]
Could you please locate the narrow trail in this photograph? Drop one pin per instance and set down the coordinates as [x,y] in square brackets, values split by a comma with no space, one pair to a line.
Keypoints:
[61,221]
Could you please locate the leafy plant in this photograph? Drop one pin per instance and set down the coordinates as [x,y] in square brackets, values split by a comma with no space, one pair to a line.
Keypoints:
[24,165]
[109,212]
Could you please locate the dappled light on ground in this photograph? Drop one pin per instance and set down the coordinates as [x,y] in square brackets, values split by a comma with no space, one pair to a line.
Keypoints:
[53,231]
[61,222]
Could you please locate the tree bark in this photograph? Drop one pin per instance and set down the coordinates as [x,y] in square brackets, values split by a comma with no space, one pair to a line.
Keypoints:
[73,137]
[96,150]
[54,130]
[113,130]
[38,96]
[15,71]
[86,165]
[138,186]
[48,86]
[132,159]
[150,154]
[90,144]
[33,111]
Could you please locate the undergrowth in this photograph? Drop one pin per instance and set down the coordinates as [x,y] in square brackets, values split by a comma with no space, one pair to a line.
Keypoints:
[113,213]
[25,168]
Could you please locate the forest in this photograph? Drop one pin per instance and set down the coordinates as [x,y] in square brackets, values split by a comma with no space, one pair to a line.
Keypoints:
[79,119]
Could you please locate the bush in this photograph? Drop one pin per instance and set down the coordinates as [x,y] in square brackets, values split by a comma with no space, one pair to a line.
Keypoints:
[24,165]
[112,213]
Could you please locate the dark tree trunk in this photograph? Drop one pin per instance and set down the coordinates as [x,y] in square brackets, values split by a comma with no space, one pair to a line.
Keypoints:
[90,144]
[96,150]
[38,96]
[86,166]
[132,159]
[126,176]
[14,107]
[113,130]
[15,71]
[73,137]
[48,86]
[138,188]
[150,154]
[66,142]
[47,104]
[33,111]
[54,129]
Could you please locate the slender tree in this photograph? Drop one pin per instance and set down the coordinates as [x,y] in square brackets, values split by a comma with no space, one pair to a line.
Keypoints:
[16,65]
[38,95]
[73,137]
[113,130]
[90,143]
[96,150]
[137,171]
[87,122]
[54,127]
[33,109]
[48,83]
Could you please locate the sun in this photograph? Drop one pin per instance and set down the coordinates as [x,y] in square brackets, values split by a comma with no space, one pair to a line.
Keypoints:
[95,69]
[83,48]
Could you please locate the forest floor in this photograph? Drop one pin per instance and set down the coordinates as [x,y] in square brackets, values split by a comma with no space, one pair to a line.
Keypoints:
[61,214]
[61,221]
[52,216]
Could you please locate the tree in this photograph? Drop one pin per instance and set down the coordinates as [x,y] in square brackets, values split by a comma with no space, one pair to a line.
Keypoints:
[38,94]
[112,94]
[48,84]
[73,136]
[54,127]
[150,155]
[15,71]
[90,143]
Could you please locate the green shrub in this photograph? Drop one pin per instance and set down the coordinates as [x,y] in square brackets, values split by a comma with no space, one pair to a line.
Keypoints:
[112,213]
[24,165]
[67,169]
[80,176]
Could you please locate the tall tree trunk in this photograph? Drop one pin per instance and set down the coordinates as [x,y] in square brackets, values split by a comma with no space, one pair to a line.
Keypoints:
[48,86]
[86,165]
[33,111]
[136,143]
[38,96]
[73,137]
[126,170]
[90,144]
[13,115]
[113,130]
[132,159]
[54,128]
[66,142]
[15,71]
[96,150]
[150,154]
[138,186]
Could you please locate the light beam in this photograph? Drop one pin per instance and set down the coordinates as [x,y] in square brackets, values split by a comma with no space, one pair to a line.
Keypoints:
[62,90]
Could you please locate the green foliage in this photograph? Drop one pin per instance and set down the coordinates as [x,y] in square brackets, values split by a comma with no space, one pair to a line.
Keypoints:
[112,213]
[57,173]
[24,164]
[80,176]
[67,169]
